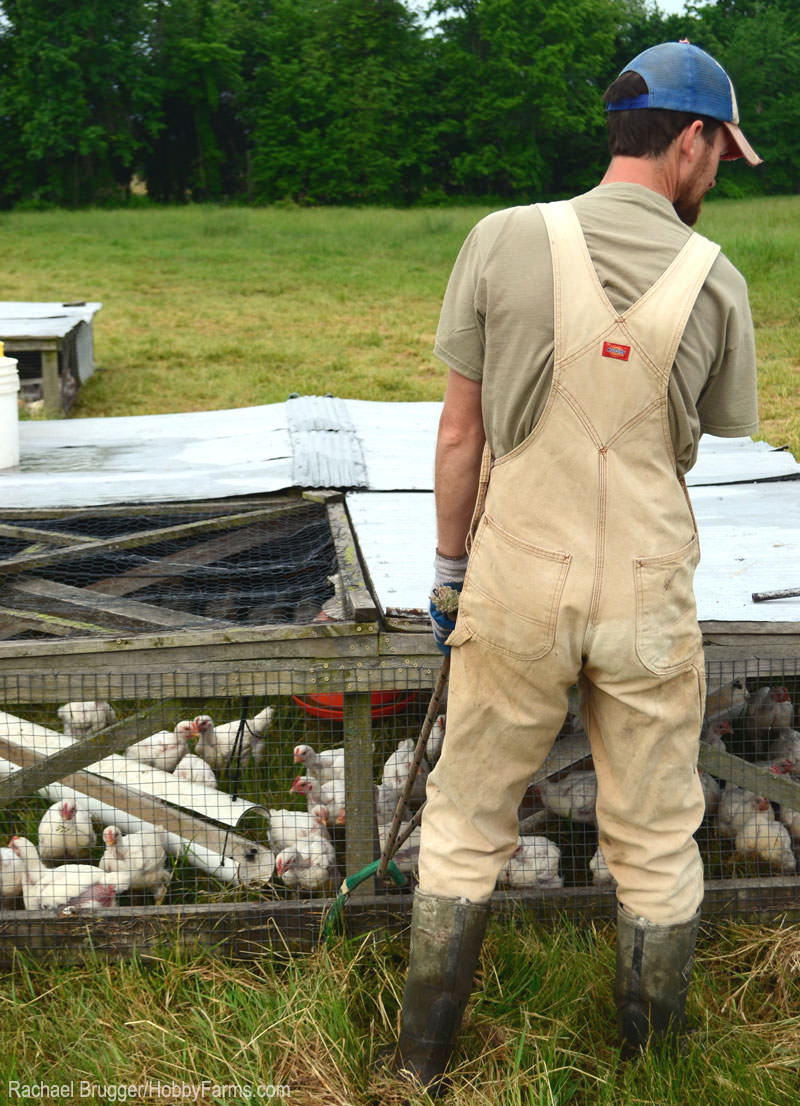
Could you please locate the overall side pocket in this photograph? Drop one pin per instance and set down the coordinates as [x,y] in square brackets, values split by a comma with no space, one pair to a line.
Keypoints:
[511,593]
[668,636]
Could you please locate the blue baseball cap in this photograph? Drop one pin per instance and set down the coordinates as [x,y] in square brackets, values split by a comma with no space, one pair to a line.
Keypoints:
[682,77]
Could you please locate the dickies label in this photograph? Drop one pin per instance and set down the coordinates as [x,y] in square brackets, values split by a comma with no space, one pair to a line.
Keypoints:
[617,351]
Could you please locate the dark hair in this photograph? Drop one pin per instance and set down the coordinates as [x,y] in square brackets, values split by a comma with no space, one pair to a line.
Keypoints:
[646,132]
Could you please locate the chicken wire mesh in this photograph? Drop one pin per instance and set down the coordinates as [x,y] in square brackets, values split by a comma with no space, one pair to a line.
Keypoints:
[109,571]
[236,815]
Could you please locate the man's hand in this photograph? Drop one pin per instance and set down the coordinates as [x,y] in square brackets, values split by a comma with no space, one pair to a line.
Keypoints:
[443,611]
[448,580]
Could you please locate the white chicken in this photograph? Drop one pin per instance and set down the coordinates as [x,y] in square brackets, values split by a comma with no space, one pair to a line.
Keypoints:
[715,733]
[386,800]
[573,796]
[601,875]
[768,840]
[311,869]
[727,701]
[433,750]
[217,742]
[325,765]
[407,856]
[70,886]
[534,863]
[83,717]
[768,708]
[165,748]
[736,805]
[711,793]
[398,766]
[291,828]
[95,896]
[777,767]
[330,796]
[137,859]
[12,873]
[791,819]
[65,831]
[194,769]
[784,745]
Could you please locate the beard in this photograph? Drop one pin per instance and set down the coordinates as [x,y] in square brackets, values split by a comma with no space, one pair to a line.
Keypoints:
[687,209]
[691,194]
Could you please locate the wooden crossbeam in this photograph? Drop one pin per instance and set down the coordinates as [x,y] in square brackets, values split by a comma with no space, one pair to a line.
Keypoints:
[43,622]
[107,611]
[772,785]
[175,565]
[41,537]
[361,605]
[177,532]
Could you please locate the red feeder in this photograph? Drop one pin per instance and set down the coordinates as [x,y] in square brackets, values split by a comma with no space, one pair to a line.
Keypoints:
[330,704]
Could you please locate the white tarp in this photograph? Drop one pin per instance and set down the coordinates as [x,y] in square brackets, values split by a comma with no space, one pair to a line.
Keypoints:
[749,541]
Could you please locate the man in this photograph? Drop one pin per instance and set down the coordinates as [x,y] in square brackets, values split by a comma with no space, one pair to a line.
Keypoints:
[590,344]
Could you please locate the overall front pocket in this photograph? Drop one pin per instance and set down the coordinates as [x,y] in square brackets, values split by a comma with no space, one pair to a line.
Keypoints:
[668,636]
[511,593]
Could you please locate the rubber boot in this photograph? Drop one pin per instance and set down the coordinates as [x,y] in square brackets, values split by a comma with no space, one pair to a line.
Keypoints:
[654,965]
[446,938]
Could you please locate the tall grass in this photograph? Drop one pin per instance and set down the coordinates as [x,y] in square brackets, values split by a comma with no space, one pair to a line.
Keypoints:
[540,1029]
[206,308]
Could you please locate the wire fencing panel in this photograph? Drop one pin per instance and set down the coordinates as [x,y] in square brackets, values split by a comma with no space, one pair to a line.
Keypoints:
[162,802]
[231,816]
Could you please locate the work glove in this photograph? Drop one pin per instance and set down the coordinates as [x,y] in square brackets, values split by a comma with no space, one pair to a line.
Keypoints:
[448,581]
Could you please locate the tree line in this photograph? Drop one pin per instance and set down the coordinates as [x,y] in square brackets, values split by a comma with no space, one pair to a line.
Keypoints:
[356,101]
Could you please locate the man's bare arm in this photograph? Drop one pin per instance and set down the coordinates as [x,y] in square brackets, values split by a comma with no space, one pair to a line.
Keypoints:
[459,447]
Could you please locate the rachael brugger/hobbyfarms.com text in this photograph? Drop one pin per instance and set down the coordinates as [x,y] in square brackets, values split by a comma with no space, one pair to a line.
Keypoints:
[169,1091]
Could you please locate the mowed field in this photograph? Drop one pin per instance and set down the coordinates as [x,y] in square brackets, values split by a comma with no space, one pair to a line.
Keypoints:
[206,308]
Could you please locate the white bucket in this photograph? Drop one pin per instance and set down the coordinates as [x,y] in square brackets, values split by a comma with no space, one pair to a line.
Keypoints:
[9,412]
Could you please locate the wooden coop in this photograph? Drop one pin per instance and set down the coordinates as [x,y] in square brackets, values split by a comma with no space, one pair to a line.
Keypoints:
[245,589]
[54,347]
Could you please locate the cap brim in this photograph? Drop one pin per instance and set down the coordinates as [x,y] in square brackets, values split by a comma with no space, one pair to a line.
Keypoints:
[738,147]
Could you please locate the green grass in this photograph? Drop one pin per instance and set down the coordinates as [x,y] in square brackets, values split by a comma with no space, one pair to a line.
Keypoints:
[762,238]
[540,1029]
[208,308]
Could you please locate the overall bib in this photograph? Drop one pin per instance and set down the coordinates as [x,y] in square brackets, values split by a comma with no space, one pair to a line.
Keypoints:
[581,570]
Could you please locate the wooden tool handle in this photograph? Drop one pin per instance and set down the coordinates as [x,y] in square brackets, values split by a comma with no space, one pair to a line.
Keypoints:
[787,593]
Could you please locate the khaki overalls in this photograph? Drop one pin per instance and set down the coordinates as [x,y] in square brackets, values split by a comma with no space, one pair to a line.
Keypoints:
[581,569]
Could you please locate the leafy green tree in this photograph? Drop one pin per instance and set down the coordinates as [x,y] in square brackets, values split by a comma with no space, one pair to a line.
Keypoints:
[75,99]
[345,101]
[527,79]
[196,71]
[340,111]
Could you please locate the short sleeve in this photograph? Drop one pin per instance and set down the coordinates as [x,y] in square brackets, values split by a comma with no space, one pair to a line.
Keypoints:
[460,336]
[728,404]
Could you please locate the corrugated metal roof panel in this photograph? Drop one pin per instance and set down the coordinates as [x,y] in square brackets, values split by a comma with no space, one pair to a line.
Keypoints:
[326,450]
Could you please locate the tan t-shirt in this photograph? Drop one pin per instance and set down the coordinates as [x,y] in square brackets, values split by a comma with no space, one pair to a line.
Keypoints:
[496,323]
